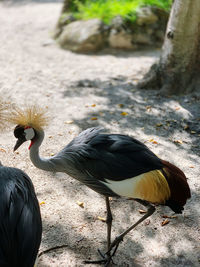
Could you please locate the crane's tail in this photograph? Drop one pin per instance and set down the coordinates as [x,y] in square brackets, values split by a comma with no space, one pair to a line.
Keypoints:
[179,188]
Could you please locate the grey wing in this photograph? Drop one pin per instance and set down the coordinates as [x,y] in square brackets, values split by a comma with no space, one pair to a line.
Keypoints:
[109,156]
[85,137]
[66,158]
[71,160]
[73,163]
[117,157]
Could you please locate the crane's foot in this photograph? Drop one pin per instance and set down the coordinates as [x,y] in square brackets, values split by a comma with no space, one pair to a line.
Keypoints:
[106,260]
[107,257]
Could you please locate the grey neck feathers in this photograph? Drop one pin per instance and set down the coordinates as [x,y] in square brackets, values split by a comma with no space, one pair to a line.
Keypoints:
[42,163]
[61,162]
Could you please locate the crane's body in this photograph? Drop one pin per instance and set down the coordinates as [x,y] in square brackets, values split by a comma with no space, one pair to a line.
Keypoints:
[116,165]
[20,219]
[110,164]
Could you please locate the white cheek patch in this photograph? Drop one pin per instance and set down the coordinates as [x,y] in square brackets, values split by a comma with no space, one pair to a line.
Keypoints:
[29,133]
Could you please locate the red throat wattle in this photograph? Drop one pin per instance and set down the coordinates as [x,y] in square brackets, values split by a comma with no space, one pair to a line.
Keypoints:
[32,142]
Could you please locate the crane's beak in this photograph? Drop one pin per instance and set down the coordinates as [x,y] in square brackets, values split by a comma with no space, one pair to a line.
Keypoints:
[19,143]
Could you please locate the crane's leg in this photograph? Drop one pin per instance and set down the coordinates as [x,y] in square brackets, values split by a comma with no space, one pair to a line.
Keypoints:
[107,258]
[114,245]
[109,219]
[108,222]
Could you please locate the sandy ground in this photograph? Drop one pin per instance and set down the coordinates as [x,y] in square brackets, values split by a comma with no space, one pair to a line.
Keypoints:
[76,88]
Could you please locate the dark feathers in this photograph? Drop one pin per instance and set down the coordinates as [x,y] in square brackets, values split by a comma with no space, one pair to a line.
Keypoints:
[178,185]
[93,157]
[96,156]
[112,156]
[20,219]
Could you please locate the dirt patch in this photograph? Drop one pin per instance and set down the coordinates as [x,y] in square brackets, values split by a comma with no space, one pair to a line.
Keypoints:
[78,88]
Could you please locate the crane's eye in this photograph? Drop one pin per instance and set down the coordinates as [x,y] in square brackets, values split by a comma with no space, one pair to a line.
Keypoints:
[29,133]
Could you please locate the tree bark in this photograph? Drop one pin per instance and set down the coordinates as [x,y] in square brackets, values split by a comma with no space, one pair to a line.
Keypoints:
[178,69]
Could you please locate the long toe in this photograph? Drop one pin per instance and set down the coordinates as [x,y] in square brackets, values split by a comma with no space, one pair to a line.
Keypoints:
[106,260]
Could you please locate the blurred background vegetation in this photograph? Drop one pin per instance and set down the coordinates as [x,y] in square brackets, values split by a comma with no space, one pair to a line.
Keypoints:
[106,10]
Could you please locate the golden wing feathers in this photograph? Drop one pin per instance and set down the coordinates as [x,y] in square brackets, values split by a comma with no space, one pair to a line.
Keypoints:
[33,116]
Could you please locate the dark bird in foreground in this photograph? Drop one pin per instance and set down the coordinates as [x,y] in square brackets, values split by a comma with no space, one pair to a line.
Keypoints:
[113,165]
[20,219]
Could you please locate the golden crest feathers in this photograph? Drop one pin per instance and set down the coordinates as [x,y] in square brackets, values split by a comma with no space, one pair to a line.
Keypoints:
[32,116]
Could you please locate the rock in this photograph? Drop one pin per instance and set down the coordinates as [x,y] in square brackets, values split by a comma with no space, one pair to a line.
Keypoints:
[93,35]
[117,23]
[121,40]
[84,36]
[159,35]
[142,38]
[145,15]
[120,37]
[64,19]
[163,15]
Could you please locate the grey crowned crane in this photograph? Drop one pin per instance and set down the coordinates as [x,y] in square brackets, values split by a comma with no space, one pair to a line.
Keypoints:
[113,165]
[20,219]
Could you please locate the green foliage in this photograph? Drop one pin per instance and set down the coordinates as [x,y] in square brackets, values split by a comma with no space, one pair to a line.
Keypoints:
[106,10]
[164,4]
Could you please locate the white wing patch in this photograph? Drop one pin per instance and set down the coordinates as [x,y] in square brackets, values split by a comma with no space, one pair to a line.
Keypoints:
[150,186]
[125,188]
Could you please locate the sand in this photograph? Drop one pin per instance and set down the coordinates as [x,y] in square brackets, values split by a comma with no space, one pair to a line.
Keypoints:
[82,91]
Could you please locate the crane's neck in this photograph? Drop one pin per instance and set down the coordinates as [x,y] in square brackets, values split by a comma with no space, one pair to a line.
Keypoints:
[39,162]
[61,162]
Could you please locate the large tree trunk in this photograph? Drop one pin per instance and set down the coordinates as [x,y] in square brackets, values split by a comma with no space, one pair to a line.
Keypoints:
[178,69]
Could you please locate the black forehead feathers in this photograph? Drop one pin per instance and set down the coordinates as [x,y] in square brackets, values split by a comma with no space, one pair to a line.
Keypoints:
[18,131]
